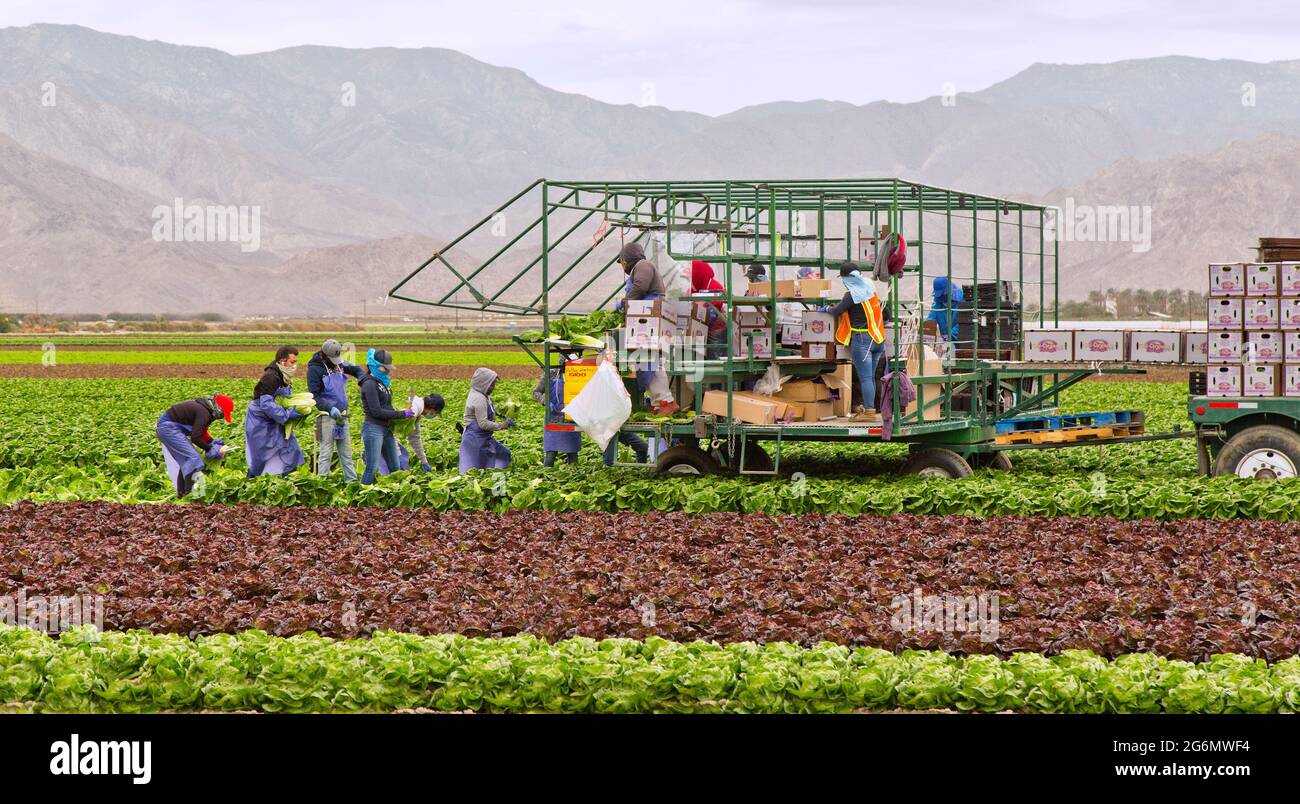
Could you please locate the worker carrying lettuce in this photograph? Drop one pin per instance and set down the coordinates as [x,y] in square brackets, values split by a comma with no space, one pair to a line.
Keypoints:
[643,282]
[327,380]
[270,446]
[182,428]
[424,407]
[479,448]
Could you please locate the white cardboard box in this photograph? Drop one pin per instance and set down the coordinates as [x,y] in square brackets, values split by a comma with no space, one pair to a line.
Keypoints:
[1263,346]
[1049,345]
[762,342]
[1288,283]
[1099,344]
[1155,347]
[647,332]
[1291,344]
[1260,313]
[1223,381]
[1227,279]
[1260,380]
[1261,278]
[1196,347]
[655,308]
[1224,346]
[1224,313]
[818,327]
[1288,316]
[792,334]
[1291,379]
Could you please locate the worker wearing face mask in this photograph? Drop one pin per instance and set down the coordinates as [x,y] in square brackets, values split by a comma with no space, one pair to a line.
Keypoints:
[267,449]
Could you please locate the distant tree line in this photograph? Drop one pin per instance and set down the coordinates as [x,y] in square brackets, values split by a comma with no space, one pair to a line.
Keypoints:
[1130,303]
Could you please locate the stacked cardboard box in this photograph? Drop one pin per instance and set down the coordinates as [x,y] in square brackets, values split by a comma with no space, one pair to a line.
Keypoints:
[1254,329]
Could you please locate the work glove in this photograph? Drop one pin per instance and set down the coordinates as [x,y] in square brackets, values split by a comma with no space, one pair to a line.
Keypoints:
[509,422]
[216,450]
[618,307]
[713,314]
[335,414]
[408,414]
[295,415]
[426,467]
[460,428]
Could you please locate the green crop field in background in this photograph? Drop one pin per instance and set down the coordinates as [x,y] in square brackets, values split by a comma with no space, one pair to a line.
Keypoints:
[253,359]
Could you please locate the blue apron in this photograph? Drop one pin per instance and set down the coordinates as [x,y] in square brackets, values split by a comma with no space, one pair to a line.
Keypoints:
[180,455]
[403,460]
[268,451]
[479,449]
[334,394]
[559,440]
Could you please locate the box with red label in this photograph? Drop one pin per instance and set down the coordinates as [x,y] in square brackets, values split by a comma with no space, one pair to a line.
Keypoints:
[1102,344]
[1291,379]
[1288,278]
[1259,313]
[1224,313]
[819,351]
[1288,316]
[818,327]
[1261,278]
[1227,279]
[1223,381]
[1263,347]
[1155,347]
[1260,380]
[1196,347]
[1224,347]
[792,334]
[1049,345]
[761,340]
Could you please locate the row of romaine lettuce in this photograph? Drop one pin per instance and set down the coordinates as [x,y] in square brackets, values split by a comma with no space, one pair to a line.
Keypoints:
[253,361]
[87,671]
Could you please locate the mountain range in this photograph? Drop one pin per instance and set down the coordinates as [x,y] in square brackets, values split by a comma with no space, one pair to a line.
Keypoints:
[362,162]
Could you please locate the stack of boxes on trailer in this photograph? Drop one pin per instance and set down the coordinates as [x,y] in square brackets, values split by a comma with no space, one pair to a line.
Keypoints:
[1254,329]
[650,324]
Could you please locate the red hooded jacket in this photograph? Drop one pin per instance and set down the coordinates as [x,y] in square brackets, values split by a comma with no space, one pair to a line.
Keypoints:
[702,281]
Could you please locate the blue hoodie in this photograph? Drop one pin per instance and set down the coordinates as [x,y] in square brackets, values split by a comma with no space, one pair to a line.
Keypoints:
[944,309]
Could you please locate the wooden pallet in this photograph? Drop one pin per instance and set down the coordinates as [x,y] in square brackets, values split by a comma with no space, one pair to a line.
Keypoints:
[1071,434]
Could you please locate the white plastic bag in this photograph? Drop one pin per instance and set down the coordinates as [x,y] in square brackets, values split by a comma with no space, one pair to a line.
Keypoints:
[602,406]
[771,381]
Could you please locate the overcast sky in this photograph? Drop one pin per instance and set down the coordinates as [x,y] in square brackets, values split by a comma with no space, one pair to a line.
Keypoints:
[715,57]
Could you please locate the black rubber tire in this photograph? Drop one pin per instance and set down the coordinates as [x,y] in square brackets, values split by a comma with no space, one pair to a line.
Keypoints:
[937,462]
[991,460]
[756,458]
[1264,439]
[686,459]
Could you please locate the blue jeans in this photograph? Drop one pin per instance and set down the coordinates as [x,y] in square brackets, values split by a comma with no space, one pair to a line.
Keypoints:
[865,353]
[377,441]
[636,442]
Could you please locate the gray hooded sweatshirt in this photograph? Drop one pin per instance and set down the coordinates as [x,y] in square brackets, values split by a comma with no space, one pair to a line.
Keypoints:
[645,278]
[476,404]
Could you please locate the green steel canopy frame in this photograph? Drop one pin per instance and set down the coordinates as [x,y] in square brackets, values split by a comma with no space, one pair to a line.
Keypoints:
[566,255]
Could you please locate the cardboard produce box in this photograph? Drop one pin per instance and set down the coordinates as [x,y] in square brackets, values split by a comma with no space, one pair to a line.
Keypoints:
[700,310]
[792,334]
[1264,346]
[804,391]
[1260,313]
[1099,344]
[760,340]
[1196,347]
[648,332]
[785,409]
[1288,282]
[1227,279]
[1049,345]
[751,411]
[1260,380]
[818,327]
[1291,379]
[816,411]
[1291,347]
[841,381]
[928,364]
[1288,315]
[1223,381]
[818,351]
[1155,347]
[1225,346]
[655,308]
[751,318]
[1224,313]
[1261,278]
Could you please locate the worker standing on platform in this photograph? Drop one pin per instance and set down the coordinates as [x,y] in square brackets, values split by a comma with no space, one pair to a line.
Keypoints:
[860,326]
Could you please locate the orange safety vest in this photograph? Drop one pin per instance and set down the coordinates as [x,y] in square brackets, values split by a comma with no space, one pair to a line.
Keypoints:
[875,323]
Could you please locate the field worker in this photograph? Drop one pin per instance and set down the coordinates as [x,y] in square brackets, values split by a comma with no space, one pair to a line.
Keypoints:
[479,448]
[183,427]
[430,408]
[327,380]
[756,272]
[268,451]
[944,309]
[703,281]
[549,391]
[643,282]
[377,437]
[860,326]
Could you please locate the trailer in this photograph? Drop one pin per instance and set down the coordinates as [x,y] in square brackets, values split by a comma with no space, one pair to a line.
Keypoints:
[565,237]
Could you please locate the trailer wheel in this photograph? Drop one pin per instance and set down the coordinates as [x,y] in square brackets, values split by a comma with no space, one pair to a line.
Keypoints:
[937,462]
[756,458]
[1263,452]
[991,460]
[685,459]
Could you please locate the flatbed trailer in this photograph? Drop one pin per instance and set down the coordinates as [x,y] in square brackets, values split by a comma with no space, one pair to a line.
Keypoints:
[796,223]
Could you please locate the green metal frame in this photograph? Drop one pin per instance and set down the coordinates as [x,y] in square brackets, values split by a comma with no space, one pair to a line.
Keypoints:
[745,216]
